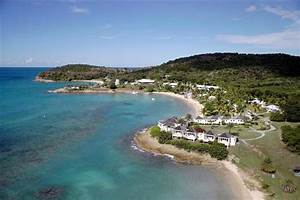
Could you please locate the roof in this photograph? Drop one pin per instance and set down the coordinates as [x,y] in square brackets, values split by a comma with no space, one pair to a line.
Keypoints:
[198,117]
[225,135]
[170,122]
[210,133]
[199,130]
[146,81]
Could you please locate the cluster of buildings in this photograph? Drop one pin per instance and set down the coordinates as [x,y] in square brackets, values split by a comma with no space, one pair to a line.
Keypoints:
[218,120]
[269,108]
[183,130]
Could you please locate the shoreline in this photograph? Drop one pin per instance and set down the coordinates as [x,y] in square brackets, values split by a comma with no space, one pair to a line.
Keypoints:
[235,177]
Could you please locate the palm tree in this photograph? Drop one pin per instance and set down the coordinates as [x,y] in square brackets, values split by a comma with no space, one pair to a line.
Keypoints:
[230,126]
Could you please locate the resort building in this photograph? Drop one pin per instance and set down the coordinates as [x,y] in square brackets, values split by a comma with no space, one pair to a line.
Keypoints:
[117,82]
[190,134]
[227,139]
[215,119]
[173,85]
[272,108]
[209,136]
[207,87]
[184,131]
[235,120]
[145,81]
[258,102]
[201,120]
[169,124]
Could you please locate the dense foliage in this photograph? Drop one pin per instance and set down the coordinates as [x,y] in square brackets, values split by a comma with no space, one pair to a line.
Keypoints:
[277,117]
[215,150]
[292,109]
[81,72]
[267,166]
[273,78]
[155,131]
[164,137]
[291,136]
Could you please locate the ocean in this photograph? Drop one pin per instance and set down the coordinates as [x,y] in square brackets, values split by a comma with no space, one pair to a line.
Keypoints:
[72,146]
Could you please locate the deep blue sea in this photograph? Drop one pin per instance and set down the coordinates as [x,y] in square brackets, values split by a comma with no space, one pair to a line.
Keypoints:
[68,146]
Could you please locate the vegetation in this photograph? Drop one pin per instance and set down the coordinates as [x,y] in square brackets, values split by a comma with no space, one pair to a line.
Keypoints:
[291,137]
[273,78]
[292,109]
[267,166]
[164,137]
[289,186]
[155,131]
[215,150]
[277,117]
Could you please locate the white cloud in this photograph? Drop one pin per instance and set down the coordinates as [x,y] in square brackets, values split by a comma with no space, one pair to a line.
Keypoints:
[251,8]
[107,37]
[284,39]
[28,60]
[285,14]
[78,10]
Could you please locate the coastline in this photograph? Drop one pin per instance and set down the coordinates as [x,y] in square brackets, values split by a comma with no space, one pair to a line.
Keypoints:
[194,104]
[235,177]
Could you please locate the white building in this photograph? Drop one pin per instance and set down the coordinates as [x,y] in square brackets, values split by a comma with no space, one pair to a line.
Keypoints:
[258,102]
[177,132]
[211,98]
[173,85]
[272,108]
[209,136]
[201,120]
[227,139]
[207,87]
[145,81]
[117,82]
[234,120]
[169,124]
[216,119]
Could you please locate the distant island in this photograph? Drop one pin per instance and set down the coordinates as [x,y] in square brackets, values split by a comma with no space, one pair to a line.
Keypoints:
[246,111]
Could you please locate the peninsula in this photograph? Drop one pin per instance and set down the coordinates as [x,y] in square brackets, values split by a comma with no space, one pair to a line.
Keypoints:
[246,113]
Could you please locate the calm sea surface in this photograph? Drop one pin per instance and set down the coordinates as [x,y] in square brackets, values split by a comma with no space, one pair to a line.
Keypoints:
[59,146]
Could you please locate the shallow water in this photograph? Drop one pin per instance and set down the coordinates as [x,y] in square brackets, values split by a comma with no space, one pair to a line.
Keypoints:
[66,146]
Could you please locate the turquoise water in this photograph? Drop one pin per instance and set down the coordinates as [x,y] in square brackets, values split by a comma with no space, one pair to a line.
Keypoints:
[59,146]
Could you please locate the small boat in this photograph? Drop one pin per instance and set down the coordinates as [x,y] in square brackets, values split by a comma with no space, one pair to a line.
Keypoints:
[134,92]
[153,99]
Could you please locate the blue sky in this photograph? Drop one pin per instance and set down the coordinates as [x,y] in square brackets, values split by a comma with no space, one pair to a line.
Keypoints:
[142,33]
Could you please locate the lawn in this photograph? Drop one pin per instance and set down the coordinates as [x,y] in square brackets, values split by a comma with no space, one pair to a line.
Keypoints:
[251,156]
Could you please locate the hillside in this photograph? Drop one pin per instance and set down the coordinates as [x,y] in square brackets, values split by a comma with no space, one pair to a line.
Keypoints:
[80,72]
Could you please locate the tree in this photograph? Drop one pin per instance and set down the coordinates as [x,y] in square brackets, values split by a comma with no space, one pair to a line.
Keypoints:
[277,117]
[218,151]
[292,109]
[155,131]
[112,86]
[188,117]
[291,137]
[164,137]
[230,126]
[267,166]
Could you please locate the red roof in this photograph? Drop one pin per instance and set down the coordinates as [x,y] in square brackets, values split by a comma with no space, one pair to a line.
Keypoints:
[199,130]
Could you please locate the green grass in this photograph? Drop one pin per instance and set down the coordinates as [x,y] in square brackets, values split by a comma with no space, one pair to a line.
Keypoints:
[251,156]
[271,146]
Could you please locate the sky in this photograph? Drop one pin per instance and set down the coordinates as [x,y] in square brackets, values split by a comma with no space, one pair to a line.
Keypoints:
[142,33]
